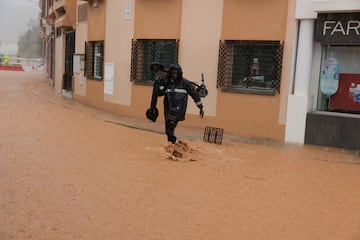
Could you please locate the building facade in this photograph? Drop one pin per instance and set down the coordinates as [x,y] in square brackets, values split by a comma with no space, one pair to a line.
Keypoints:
[58,21]
[242,48]
[282,69]
[47,18]
[324,99]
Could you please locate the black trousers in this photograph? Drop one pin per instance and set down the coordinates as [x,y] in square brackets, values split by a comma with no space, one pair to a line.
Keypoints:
[170,126]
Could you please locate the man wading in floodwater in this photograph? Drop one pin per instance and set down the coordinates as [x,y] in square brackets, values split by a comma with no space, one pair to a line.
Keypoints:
[175,90]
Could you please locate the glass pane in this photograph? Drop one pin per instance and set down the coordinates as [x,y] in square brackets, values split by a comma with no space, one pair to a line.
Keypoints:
[162,51]
[253,64]
[98,60]
[339,84]
[240,65]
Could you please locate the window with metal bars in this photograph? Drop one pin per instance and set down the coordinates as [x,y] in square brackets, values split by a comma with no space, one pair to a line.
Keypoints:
[94,59]
[250,66]
[146,51]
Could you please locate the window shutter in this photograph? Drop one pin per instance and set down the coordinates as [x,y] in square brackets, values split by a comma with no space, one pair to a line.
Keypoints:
[221,75]
[278,66]
[134,60]
[176,50]
[88,59]
[102,59]
[85,59]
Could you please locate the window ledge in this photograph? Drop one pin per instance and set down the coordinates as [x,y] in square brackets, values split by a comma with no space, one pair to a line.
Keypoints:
[144,82]
[93,78]
[261,91]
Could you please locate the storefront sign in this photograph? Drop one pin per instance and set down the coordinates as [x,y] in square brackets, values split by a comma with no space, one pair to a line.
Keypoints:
[329,79]
[338,28]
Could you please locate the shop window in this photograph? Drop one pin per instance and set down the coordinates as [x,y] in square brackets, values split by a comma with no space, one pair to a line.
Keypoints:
[339,84]
[250,66]
[146,51]
[94,59]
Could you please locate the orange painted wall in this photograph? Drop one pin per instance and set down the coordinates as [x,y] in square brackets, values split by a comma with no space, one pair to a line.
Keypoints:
[71,6]
[254,20]
[244,114]
[157,19]
[251,114]
[96,22]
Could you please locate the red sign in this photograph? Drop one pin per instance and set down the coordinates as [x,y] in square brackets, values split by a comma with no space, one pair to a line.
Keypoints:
[347,96]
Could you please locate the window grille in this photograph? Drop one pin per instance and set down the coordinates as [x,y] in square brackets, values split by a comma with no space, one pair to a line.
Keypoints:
[146,51]
[82,12]
[94,60]
[236,65]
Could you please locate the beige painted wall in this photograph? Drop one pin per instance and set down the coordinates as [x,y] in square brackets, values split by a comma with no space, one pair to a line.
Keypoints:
[80,39]
[199,47]
[119,32]
[288,56]
[59,63]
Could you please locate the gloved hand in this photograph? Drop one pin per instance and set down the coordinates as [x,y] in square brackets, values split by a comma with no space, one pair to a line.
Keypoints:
[152,113]
[201,114]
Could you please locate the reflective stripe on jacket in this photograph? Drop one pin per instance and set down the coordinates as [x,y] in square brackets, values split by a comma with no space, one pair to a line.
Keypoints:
[176,98]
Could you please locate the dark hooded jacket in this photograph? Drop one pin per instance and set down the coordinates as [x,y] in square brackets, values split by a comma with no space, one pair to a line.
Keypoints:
[176,93]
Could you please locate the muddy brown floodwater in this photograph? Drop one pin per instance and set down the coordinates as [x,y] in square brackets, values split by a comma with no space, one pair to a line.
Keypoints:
[67,172]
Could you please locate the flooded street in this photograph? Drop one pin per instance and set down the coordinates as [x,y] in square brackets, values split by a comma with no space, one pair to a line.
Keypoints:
[68,172]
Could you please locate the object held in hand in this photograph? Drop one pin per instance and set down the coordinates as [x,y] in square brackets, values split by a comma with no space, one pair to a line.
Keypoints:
[152,114]
[201,113]
[201,89]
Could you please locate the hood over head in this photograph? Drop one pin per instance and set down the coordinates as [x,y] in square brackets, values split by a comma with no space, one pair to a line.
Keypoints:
[178,68]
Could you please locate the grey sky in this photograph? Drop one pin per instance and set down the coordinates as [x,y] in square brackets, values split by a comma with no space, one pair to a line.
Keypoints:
[14,17]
